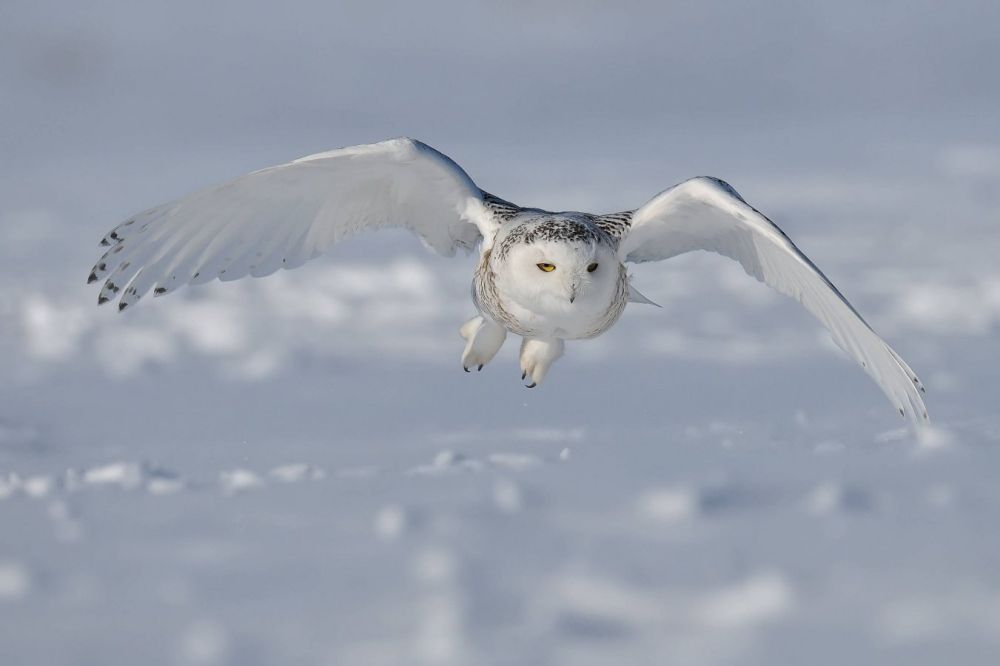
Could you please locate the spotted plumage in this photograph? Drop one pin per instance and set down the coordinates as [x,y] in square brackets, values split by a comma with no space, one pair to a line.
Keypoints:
[545,276]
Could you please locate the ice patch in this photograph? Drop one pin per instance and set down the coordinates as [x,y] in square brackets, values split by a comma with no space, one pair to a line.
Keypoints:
[36,486]
[124,474]
[668,505]
[238,480]
[832,497]
[294,472]
[934,439]
[15,581]
[761,598]
[507,496]
[440,637]
[514,461]
[390,521]
[9,485]
[163,485]
[447,462]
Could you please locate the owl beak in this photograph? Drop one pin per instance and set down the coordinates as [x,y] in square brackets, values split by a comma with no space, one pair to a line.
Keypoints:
[573,289]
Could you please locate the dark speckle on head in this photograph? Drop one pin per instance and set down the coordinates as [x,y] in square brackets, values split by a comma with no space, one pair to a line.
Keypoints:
[558,229]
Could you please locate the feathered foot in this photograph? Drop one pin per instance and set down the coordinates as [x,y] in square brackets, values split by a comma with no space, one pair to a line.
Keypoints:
[537,356]
[483,339]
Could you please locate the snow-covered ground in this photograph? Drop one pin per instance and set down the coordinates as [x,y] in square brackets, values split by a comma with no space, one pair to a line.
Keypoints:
[297,471]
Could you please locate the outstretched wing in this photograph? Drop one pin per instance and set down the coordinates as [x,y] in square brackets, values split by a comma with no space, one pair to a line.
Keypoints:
[282,216]
[708,214]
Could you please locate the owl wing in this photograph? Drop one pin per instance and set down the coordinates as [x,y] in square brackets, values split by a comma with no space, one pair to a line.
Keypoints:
[708,214]
[283,216]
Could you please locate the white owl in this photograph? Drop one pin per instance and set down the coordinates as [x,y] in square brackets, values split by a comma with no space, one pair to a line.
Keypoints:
[545,276]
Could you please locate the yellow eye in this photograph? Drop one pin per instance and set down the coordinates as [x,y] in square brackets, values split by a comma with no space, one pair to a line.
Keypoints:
[548,268]
[591,268]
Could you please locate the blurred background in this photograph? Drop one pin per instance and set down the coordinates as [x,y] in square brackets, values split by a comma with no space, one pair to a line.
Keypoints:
[296,471]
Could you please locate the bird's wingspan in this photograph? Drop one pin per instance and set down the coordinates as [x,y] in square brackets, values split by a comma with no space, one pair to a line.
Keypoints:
[708,214]
[282,216]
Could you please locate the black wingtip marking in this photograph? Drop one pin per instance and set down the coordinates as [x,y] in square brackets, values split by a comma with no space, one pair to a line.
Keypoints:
[92,278]
[105,242]
[122,306]
[901,412]
[101,300]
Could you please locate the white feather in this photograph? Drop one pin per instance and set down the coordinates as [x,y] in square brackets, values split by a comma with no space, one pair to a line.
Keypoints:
[282,216]
[708,214]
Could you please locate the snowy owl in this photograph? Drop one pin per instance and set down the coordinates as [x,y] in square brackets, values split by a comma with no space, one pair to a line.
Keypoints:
[545,276]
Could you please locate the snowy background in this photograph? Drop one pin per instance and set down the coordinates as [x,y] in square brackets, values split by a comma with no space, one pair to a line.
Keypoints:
[296,470]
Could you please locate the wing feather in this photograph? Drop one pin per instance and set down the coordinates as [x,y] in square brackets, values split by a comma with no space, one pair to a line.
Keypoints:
[283,216]
[708,214]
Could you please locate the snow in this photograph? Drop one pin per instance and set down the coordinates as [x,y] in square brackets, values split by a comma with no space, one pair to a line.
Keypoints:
[296,470]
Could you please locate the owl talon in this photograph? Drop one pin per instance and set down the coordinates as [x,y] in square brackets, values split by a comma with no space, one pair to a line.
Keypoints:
[537,356]
[483,340]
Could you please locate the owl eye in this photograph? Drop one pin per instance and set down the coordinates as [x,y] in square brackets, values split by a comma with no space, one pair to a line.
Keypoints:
[548,268]
[591,268]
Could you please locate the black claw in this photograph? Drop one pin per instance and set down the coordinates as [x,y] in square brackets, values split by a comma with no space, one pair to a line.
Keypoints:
[524,374]
[480,368]
[465,368]
[531,385]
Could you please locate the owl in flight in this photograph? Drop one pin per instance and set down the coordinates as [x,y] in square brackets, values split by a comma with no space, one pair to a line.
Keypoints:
[545,276]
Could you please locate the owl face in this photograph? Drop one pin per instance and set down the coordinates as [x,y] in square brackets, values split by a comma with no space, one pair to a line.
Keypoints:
[561,276]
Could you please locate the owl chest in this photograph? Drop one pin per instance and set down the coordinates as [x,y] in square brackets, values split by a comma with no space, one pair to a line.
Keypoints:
[526,319]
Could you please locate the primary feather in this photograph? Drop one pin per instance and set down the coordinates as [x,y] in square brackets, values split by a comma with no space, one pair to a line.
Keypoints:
[282,216]
[708,214]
